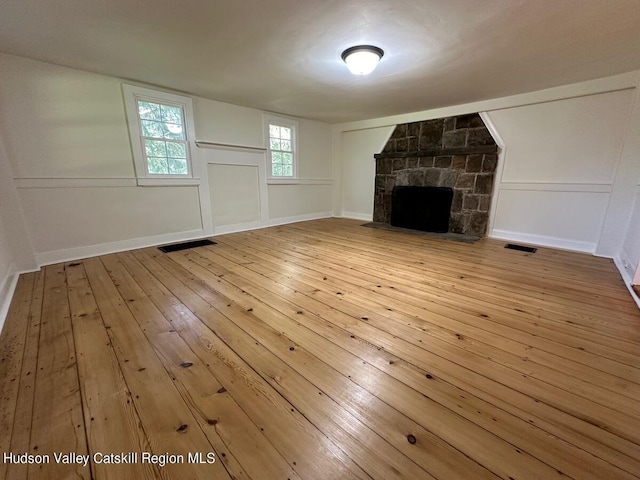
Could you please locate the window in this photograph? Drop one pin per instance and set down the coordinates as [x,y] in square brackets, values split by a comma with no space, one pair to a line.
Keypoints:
[281,145]
[160,127]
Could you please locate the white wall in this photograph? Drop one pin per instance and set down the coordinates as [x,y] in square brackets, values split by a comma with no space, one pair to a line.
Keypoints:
[234,193]
[68,125]
[308,196]
[559,168]
[67,142]
[560,171]
[16,253]
[296,201]
[358,172]
[312,197]
[7,274]
[629,259]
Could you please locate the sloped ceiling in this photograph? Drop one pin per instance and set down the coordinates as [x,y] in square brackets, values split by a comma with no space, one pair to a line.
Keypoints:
[284,55]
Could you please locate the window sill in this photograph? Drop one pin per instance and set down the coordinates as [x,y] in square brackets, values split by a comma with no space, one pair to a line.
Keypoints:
[299,181]
[168,182]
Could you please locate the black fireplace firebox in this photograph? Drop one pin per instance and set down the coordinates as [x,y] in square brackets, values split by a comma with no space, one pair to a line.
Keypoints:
[421,208]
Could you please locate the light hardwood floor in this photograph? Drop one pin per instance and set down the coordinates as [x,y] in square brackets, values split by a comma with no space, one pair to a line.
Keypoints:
[326,350]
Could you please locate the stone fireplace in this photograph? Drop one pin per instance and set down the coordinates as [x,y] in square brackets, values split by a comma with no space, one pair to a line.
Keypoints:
[454,152]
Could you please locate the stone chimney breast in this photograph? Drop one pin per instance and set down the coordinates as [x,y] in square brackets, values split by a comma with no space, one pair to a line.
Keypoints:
[454,152]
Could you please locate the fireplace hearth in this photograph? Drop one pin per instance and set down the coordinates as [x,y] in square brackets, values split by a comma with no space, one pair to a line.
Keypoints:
[455,153]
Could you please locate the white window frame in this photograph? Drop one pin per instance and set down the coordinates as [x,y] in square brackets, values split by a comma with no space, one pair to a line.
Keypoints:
[131,95]
[281,122]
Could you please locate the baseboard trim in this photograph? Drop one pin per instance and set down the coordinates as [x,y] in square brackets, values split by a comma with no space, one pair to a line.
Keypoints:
[365,217]
[66,255]
[7,288]
[273,222]
[627,278]
[238,227]
[545,241]
[299,218]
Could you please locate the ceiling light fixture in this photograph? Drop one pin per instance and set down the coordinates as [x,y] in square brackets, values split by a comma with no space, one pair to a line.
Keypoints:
[362,59]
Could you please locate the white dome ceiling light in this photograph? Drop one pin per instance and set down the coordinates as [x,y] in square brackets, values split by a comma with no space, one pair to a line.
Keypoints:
[362,59]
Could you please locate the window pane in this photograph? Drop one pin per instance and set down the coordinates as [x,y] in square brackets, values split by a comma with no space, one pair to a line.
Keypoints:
[274,131]
[158,166]
[285,145]
[288,170]
[276,170]
[155,148]
[173,131]
[177,166]
[275,144]
[285,133]
[287,158]
[276,157]
[148,110]
[171,114]
[176,150]
[151,129]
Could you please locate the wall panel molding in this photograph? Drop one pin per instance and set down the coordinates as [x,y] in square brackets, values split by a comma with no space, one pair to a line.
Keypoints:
[70,182]
[557,187]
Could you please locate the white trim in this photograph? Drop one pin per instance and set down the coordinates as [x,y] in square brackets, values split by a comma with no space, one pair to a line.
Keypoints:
[7,289]
[239,227]
[337,173]
[74,182]
[255,159]
[228,146]
[627,277]
[299,181]
[365,217]
[544,241]
[66,255]
[299,218]
[497,178]
[168,182]
[24,183]
[243,227]
[558,187]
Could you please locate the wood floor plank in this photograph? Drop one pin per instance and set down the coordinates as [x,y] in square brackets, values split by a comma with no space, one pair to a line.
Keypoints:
[112,422]
[286,428]
[546,446]
[573,264]
[520,268]
[21,434]
[58,423]
[430,452]
[542,392]
[324,349]
[381,319]
[393,262]
[12,346]
[247,451]
[512,325]
[477,287]
[167,421]
[445,327]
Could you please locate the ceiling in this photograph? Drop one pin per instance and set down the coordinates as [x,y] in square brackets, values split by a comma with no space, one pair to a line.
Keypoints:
[284,55]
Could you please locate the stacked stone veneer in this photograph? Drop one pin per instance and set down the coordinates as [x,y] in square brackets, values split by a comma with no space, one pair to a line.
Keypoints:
[455,152]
